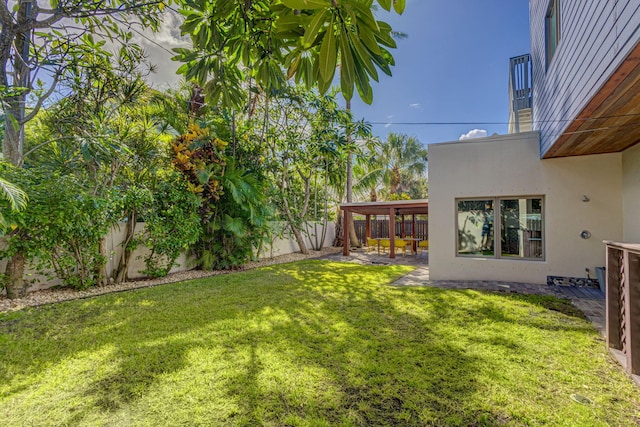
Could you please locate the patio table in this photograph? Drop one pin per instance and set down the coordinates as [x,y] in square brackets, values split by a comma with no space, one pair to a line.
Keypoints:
[414,243]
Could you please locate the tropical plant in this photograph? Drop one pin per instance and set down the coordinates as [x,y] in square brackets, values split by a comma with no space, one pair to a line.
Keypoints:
[396,167]
[233,210]
[172,225]
[270,41]
[199,156]
[106,133]
[54,38]
[306,135]
[15,196]
[239,224]
[251,44]
[60,229]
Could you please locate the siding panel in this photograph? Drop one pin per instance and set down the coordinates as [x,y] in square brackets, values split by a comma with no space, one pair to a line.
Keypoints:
[596,36]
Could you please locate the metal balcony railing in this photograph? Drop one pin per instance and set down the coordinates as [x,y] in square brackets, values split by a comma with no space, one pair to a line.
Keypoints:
[520,86]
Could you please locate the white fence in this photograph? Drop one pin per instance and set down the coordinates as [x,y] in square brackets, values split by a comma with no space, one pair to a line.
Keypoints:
[283,245]
[286,244]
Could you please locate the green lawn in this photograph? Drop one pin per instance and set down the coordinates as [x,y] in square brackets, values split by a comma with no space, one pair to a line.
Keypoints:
[310,343]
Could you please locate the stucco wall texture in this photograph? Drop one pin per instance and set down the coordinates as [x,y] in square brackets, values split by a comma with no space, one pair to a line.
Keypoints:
[510,165]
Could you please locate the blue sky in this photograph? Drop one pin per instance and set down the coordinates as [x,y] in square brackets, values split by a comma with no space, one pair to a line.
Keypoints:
[452,67]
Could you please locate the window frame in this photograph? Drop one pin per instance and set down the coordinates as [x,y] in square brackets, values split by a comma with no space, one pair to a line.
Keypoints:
[552,43]
[497,228]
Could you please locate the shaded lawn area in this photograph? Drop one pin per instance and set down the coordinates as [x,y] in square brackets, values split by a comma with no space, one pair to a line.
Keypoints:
[312,343]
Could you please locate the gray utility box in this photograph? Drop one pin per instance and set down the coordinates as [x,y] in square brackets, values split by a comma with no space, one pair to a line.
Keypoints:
[602,278]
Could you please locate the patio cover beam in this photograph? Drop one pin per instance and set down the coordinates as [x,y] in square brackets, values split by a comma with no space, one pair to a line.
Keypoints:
[392,233]
[392,208]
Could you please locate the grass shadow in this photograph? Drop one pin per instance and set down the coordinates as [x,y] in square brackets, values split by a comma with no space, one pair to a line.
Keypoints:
[309,343]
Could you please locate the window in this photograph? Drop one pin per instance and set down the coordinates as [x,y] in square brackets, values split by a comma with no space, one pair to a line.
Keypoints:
[475,227]
[552,29]
[506,227]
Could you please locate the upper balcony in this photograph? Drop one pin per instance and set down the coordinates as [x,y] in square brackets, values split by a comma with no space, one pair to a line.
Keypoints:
[520,93]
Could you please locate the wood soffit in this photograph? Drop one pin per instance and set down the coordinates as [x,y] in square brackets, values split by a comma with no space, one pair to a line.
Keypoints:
[610,122]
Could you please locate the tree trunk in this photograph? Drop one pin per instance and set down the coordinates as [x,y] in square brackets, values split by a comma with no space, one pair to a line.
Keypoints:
[291,220]
[353,237]
[300,240]
[317,243]
[101,264]
[16,286]
[325,211]
[13,144]
[337,240]
[121,273]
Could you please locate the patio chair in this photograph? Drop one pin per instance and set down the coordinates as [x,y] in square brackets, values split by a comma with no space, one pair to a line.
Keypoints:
[385,245]
[372,245]
[423,245]
[401,244]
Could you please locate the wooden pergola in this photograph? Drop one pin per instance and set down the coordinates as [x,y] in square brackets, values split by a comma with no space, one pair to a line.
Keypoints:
[399,207]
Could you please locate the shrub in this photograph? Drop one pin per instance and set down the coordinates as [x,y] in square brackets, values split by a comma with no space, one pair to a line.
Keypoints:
[172,225]
[233,212]
[61,228]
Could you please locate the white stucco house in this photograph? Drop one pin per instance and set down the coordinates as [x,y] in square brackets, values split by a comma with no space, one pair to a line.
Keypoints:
[536,205]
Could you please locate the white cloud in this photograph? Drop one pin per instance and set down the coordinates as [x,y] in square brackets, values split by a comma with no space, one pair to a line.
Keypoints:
[390,122]
[475,133]
[415,105]
[158,48]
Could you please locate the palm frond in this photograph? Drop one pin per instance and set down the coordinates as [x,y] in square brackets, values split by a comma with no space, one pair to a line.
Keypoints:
[13,194]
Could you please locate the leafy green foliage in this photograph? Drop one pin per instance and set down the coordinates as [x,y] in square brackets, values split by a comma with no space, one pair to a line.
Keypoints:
[58,40]
[108,133]
[396,168]
[61,227]
[172,225]
[305,144]
[268,42]
[239,222]
[200,158]
[15,196]
[233,209]
[105,131]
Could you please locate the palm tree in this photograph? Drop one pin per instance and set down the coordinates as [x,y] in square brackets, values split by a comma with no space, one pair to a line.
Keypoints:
[15,196]
[398,163]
